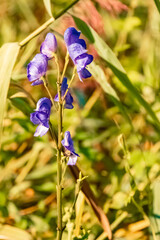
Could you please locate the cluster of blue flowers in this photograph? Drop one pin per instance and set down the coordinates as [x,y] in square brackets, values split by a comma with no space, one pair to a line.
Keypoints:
[37,69]
[78,52]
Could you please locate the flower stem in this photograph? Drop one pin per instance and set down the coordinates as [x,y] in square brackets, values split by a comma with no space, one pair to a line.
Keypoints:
[48,91]
[65,65]
[59,162]
[70,82]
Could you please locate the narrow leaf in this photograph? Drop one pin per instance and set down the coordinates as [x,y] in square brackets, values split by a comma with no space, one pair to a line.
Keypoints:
[8,56]
[47,4]
[10,233]
[100,77]
[157,2]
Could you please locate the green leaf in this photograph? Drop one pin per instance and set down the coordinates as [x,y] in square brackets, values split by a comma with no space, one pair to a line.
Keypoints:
[47,4]
[157,2]
[22,104]
[106,53]
[100,77]
[8,56]
[84,29]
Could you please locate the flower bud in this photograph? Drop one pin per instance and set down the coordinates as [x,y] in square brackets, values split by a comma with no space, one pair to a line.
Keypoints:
[49,46]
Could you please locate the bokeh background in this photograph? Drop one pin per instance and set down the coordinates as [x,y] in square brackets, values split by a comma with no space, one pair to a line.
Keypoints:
[119,154]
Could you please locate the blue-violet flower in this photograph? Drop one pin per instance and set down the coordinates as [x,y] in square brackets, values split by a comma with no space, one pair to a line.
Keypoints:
[68,145]
[68,97]
[41,116]
[49,46]
[78,52]
[37,68]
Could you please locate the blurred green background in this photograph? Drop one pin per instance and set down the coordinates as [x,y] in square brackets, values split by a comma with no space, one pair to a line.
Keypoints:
[119,150]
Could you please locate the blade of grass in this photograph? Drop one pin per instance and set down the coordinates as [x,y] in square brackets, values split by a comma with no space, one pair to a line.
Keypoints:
[93,202]
[157,2]
[47,4]
[8,56]
[9,232]
[100,77]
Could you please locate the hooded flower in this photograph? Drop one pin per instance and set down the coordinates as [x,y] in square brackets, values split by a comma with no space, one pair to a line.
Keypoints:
[41,116]
[37,68]
[68,145]
[68,97]
[49,46]
[78,52]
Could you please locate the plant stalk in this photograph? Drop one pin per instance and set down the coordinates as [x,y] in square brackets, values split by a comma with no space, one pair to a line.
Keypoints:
[59,162]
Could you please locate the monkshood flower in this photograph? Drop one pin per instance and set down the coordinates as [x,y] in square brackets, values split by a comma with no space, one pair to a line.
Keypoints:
[68,145]
[37,68]
[41,116]
[78,52]
[68,97]
[49,46]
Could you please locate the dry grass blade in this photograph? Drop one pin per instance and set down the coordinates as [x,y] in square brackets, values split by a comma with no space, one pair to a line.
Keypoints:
[8,56]
[79,212]
[92,200]
[47,4]
[11,233]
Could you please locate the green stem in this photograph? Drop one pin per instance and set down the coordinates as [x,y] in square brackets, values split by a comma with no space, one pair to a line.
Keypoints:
[45,25]
[48,91]
[59,163]
[36,32]
[70,82]
[65,65]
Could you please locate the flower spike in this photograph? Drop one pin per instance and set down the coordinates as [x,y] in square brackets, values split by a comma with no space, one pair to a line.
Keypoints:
[78,52]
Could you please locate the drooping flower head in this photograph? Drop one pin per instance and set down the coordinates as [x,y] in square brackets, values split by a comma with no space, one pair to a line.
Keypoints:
[68,97]
[41,116]
[49,46]
[68,145]
[37,68]
[78,52]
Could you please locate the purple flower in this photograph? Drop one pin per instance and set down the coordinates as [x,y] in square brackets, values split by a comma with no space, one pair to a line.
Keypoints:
[49,46]
[41,116]
[37,68]
[68,97]
[77,51]
[68,145]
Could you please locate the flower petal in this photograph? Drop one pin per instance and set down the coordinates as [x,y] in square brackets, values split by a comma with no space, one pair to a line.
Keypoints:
[83,60]
[76,50]
[71,35]
[44,105]
[68,101]
[72,160]
[37,68]
[34,119]
[56,98]
[49,46]
[84,73]
[67,141]
[64,86]
[41,130]
[37,82]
